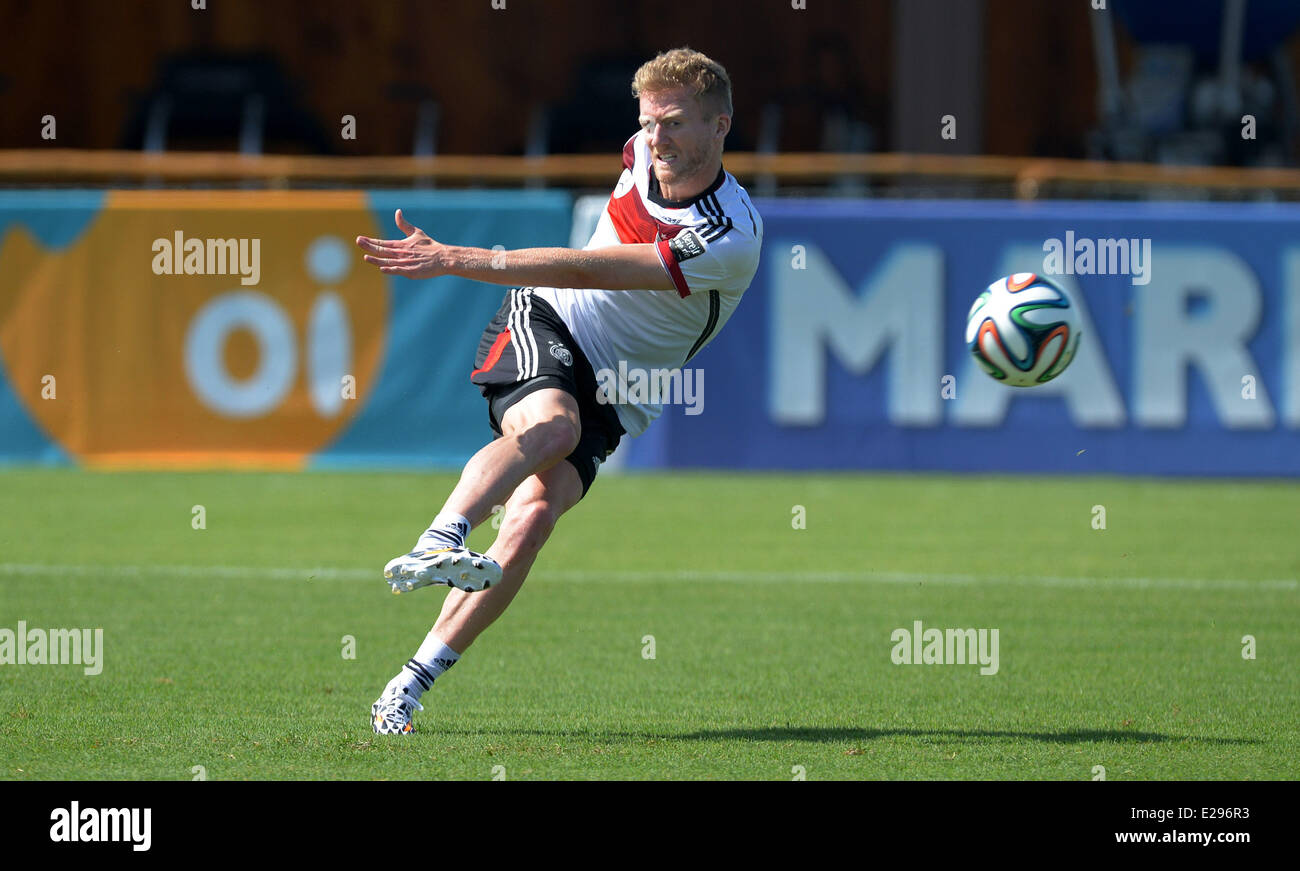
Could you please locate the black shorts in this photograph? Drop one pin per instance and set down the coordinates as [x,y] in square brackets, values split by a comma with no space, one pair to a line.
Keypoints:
[526,347]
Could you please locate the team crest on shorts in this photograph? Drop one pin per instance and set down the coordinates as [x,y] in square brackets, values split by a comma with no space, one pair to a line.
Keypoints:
[561,353]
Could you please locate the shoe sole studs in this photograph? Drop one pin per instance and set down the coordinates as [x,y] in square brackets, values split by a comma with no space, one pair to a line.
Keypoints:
[403,579]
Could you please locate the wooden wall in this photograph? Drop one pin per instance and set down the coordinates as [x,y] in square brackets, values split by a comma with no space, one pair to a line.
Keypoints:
[81,60]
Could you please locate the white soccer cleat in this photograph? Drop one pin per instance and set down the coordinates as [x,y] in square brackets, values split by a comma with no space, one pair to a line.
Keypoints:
[447,566]
[391,713]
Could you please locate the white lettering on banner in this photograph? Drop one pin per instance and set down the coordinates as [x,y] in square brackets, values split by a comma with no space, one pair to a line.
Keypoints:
[328,353]
[205,363]
[1170,339]
[815,312]
[816,315]
[1291,338]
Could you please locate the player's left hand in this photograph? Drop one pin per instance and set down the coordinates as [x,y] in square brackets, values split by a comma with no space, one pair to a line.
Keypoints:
[416,256]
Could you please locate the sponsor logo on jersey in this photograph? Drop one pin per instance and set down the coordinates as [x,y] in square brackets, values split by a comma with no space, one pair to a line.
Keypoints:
[685,245]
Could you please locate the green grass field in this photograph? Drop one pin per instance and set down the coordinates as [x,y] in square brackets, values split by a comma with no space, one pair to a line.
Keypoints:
[223,647]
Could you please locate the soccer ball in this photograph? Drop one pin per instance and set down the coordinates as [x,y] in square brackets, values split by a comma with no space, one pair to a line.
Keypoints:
[1023,329]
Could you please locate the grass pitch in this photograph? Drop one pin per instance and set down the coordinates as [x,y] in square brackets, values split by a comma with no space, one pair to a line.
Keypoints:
[223,646]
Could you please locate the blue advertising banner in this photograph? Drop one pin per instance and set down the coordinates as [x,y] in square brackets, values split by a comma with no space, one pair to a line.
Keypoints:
[848,351]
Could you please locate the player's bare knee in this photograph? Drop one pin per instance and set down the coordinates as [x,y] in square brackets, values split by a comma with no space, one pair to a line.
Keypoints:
[553,439]
[568,433]
[533,520]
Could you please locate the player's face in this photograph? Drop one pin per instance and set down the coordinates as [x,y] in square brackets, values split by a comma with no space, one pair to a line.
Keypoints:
[685,141]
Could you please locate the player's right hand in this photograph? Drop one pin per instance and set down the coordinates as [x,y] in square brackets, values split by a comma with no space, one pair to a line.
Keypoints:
[416,256]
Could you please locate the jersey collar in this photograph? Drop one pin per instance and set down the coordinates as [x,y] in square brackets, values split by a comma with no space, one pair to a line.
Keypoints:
[658,198]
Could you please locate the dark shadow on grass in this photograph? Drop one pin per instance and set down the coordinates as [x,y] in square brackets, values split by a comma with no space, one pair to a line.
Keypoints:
[846,734]
[849,735]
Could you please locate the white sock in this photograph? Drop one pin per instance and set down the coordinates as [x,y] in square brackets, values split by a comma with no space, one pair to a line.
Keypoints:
[429,663]
[448,528]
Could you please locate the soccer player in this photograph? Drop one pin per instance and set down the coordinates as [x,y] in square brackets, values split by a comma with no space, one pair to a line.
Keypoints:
[676,247]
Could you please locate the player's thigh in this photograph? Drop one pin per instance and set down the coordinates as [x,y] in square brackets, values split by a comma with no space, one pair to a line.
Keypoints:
[544,406]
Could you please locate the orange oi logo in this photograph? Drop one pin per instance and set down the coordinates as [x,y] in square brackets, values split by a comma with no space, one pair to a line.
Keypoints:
[225,361]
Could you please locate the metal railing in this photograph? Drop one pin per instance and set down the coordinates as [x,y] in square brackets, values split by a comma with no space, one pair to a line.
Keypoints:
[1025,178]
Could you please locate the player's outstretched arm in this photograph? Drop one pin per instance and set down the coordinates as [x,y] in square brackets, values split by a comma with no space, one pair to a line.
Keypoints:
[617,267]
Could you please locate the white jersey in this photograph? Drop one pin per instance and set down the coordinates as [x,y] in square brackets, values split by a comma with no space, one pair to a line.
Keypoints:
[708,245]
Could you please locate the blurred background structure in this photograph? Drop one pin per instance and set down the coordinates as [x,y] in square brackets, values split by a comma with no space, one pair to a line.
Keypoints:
[1139,81]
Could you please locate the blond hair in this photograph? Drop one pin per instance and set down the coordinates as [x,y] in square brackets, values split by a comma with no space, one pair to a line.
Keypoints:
[703,77]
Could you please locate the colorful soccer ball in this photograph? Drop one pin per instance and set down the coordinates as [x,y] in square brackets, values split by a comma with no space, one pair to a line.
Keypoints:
[1023,330]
